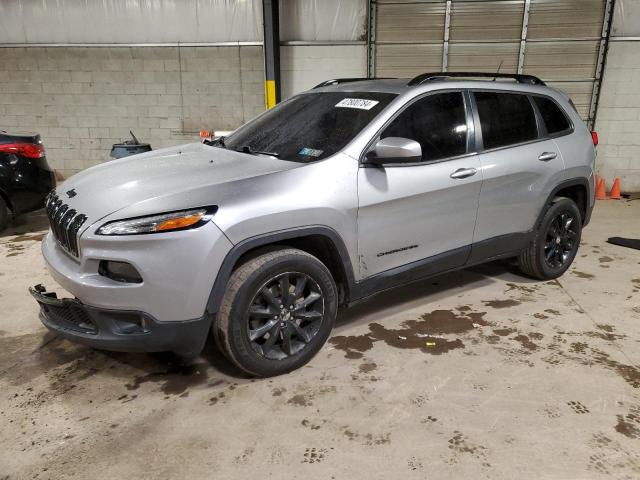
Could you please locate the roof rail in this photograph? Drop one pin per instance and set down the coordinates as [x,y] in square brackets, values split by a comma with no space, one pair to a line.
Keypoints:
[426,77]
[337,81]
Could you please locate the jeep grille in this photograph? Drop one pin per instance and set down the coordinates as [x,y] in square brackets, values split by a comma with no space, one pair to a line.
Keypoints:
[65,223]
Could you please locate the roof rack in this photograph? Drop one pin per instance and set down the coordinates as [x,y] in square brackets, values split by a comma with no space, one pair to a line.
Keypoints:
[427,77]
[337,81]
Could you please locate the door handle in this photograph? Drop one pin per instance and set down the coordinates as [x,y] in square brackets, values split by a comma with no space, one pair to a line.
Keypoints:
[546,156]
[463,173]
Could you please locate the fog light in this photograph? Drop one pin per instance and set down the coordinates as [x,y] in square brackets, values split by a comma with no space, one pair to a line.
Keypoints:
[119,271]
[130,323]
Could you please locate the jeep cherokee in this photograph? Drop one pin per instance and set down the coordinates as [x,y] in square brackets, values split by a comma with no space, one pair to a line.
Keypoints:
[343,191]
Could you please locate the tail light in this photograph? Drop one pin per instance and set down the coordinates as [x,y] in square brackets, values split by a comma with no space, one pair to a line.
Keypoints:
[28,150]
[594,137]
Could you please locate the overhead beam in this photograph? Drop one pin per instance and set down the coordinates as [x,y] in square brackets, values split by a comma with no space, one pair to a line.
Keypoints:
[271,25]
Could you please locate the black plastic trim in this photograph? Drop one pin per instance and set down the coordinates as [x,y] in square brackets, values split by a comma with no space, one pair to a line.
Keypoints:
[570,183]
[220,284]
[182,337]
[502,246]
[411,272]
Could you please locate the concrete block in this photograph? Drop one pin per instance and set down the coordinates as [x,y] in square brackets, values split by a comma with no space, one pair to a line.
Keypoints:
[158,111]
[59,132]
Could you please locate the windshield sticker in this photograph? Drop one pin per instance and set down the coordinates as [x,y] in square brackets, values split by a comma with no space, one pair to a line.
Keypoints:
[310,152]
[359,103]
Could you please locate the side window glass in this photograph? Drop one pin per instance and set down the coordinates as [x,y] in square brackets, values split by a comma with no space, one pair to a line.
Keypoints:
[505,118]
[554,119]
[437,122]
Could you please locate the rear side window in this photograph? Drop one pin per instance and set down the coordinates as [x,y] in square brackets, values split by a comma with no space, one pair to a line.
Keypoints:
[554,119]
[437,122]
[505,118]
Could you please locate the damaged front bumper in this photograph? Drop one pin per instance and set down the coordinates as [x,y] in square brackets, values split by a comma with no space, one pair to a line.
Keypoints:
[119,330]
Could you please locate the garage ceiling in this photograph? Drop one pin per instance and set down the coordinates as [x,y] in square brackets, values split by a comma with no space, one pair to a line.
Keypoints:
[561,41]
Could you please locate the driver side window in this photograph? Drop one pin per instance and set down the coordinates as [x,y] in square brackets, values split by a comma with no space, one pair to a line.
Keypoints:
[437,122]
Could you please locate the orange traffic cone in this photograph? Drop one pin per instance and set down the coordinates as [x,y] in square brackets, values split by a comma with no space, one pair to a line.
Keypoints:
[601,194]
[615,190]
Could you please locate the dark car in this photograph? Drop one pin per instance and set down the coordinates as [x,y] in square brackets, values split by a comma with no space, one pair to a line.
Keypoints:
[25,176]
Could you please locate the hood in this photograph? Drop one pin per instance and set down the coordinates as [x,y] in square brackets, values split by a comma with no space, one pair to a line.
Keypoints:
[184,176]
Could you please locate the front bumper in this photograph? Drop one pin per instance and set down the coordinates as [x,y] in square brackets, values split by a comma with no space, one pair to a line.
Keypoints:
[178,270]
[119,330]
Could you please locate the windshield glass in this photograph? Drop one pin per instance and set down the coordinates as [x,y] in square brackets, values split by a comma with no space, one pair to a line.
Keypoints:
[311,126]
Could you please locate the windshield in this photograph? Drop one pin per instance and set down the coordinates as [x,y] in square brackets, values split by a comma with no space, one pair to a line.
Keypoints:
[311,126]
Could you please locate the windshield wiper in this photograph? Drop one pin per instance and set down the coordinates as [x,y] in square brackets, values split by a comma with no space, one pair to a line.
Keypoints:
[216,142]
[249,150]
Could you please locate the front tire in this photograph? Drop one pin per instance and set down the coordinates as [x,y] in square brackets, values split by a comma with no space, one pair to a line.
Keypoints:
[556,241]
[277,312]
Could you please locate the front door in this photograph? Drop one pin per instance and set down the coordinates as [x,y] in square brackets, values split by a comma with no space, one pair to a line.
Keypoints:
[427,210]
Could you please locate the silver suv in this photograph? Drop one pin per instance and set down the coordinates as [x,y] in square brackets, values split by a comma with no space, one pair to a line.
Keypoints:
[336,194]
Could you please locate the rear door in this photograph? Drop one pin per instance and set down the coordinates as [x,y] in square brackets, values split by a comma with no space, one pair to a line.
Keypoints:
[520,164]
[408,213]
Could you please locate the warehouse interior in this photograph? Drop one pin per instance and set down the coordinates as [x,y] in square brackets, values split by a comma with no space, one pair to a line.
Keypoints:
[540,379]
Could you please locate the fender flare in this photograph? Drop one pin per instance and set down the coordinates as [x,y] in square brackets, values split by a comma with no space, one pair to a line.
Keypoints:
[581,181]
[232,257]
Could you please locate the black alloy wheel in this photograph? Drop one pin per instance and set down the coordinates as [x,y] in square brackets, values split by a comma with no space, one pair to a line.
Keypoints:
[560,239]
[277,311]
[555,241]
[285,315]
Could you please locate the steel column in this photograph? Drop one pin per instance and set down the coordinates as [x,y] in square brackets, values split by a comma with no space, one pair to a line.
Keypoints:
[445,45]
[371,38]
[602,58]
[271,25]
[523,36]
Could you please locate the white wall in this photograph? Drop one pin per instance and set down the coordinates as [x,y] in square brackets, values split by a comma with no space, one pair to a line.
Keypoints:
[618,116]
[129,21]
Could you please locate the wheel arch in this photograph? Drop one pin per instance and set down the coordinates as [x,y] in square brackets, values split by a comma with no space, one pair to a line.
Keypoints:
[577,189]
[320,241]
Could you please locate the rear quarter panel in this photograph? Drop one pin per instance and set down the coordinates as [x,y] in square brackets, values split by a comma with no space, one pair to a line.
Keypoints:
[577,150]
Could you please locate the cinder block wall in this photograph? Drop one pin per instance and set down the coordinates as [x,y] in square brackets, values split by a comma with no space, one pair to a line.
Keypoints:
[82,100]
[618,118]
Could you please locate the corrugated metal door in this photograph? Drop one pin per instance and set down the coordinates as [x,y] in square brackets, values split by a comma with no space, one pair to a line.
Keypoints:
[561,41]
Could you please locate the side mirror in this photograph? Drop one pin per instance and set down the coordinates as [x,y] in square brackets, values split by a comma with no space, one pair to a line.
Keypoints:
[394,150]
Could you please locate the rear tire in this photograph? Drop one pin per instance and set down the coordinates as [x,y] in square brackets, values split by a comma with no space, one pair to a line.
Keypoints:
[4,215]
[555,243]
[277,312]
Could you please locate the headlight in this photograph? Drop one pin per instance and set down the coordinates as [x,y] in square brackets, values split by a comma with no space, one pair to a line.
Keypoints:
[165,222]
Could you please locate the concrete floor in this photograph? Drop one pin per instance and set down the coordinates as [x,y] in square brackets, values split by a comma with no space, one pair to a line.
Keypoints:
[477,374]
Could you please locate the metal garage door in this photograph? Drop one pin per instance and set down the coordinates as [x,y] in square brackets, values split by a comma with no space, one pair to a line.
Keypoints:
[561,41]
